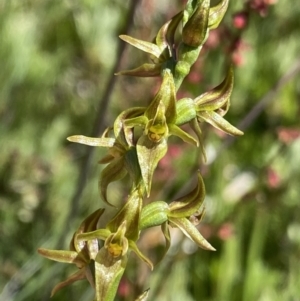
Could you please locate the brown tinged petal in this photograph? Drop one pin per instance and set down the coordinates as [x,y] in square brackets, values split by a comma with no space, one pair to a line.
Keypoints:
[145,70]
[190,203]
[112,172]
[217,97]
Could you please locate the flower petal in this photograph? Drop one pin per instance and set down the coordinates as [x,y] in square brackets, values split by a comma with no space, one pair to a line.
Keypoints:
[177,131]
[103,141]
[135,249]
[79,275]
[145,70]
[191,232]
[219,122]
[142,45]
[149,154]
[190,203]
[216,14]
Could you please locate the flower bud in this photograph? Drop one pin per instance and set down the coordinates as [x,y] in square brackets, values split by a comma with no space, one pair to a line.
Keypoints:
[194,31]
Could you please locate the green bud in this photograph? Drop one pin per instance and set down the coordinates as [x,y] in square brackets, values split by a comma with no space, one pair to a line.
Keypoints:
[154,214]
[185,111]
[194,31]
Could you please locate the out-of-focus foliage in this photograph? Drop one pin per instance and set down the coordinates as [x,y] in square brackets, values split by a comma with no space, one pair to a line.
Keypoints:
[56,58]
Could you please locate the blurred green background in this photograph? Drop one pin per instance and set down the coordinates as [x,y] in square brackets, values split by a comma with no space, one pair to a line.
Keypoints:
[57,60]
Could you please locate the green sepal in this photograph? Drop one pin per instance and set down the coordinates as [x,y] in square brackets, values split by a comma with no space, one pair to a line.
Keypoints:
[63,256]
[96,234]
[112,172]
[191,232]
[145,70]
[190,203]
[154,214]
[165,95]
[220,123]
[217,97]
[130,213]
[185,111]
[136,121]
[177,131]
[108,273]
[149,154]
[142,45]
[89,224]
[132,166]
[102,142]
[195,30]
[166,232]
[79,275]
[216,14]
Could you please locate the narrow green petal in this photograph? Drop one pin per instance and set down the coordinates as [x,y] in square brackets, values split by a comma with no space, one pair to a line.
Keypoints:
[63,256]
[177,131]
[216,14]
[97,234]
[191,232]
[145,70]
[103,141]
[142,45]
[135,249]
[108,273]
[79,275]
[136,121]
[190,203]
[149,154]
[219,122]
[112,172]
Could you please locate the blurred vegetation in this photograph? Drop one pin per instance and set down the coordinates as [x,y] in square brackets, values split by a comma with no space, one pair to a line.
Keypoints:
[57,58]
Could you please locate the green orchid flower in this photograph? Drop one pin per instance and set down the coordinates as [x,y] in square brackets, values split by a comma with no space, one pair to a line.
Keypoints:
[181,213]
[158,122]
[122,157]
[209,107]
[82,254]
[162,50]
[122,231]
